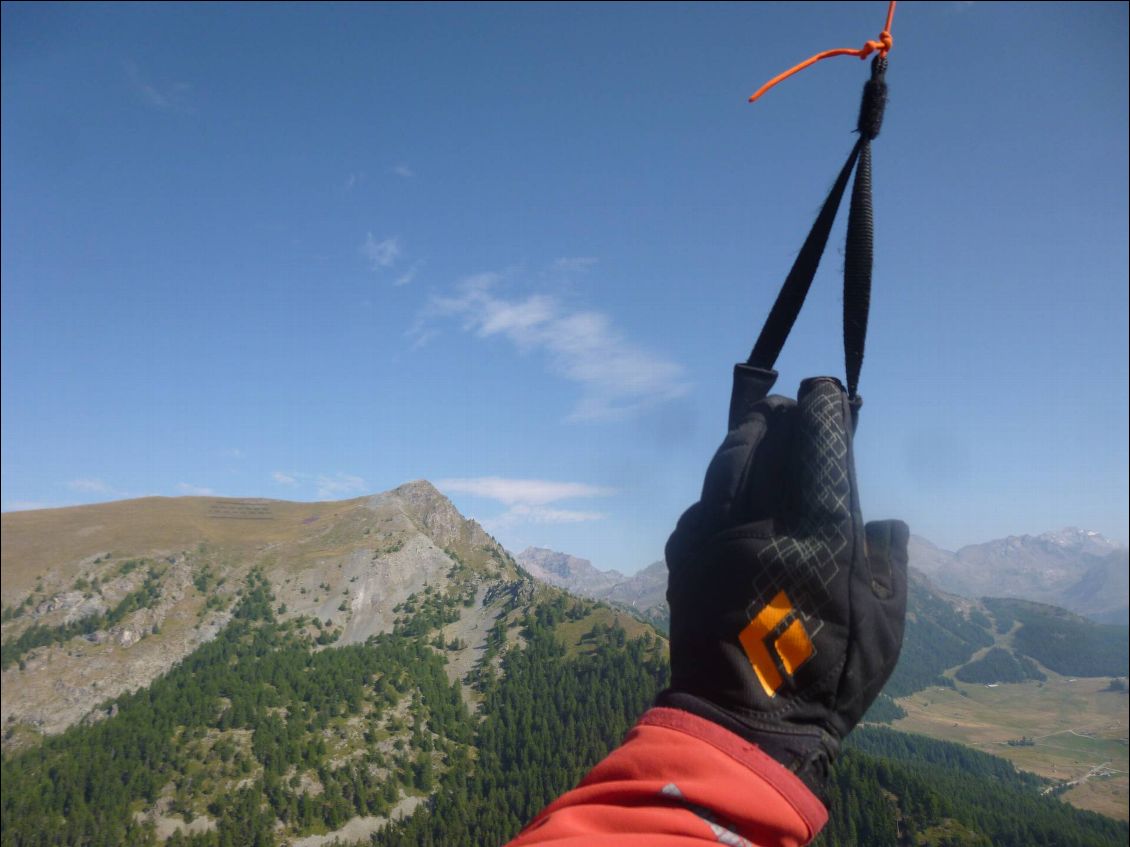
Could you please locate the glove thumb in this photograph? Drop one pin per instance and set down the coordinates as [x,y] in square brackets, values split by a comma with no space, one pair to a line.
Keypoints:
[887,560]
[879,613]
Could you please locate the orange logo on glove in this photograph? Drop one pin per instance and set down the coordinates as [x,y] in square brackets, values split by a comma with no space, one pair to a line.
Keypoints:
[791,644]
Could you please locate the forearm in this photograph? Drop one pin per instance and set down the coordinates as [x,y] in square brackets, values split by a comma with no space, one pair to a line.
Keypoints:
[679,781]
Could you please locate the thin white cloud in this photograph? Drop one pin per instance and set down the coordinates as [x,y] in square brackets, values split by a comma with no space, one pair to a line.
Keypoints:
[93,487]
[191,490]
[420,333]
[381,254]
[409,274]
[164,97]
[90,485]
[233,453]
[403,171]
[527,499]
[529,492]
[339,485]
[539,515]
[617,378]
[352,181]
[326,486]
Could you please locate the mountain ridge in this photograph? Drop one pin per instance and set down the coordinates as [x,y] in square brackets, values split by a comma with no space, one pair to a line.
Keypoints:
[1075,569]
[369,638]
[100,600]
[1078,570]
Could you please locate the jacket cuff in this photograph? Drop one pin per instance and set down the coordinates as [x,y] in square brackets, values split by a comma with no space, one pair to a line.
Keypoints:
[786,784]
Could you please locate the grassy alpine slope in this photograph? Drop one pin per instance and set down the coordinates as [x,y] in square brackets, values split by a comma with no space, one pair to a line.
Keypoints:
[262,738]
[380,671]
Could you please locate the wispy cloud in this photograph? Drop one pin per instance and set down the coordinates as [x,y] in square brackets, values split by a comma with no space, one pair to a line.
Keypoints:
[521,514]
[339,485]
[164,97]
[326,486]
[403,171]
[527,500]
[90,485]
[409,274]
[617,378]
[420,333]
[190,490]
[533,492]
[352,181]
[233,453]
[381,254]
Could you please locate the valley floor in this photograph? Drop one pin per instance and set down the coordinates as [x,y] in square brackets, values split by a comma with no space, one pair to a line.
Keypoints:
[1078,728]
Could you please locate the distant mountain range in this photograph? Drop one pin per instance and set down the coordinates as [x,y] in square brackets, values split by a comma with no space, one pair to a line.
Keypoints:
[569,572]
[645,592]
[1074,569]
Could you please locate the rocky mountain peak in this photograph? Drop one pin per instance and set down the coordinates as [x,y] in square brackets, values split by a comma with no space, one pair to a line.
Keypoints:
[435,514]
[422,500]
[569,572]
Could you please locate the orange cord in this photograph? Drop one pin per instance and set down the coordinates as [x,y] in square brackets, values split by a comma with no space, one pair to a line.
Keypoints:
[883,45]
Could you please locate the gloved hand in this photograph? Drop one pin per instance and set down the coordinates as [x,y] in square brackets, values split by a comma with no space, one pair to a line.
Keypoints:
[786,611]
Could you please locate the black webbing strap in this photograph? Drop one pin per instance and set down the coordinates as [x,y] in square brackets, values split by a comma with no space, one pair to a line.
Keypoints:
[858,252]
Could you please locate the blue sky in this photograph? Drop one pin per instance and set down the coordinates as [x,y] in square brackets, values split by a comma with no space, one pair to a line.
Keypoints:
[311,252]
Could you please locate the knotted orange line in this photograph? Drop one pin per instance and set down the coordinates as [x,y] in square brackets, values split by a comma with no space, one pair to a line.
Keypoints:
[882,45]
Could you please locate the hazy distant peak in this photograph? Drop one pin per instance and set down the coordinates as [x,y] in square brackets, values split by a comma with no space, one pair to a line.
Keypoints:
[1078,569]
[1087,540]
[917,542]
[644,591]
[1068,542]
[655,568]
[560,564]
[569,572]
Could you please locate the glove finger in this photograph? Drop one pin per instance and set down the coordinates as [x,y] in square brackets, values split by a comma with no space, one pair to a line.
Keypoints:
[743,481]
[751,386]
[823,453]
[729,474]
[887,557]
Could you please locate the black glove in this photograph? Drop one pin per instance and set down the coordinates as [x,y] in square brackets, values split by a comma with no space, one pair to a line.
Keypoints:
[786,612]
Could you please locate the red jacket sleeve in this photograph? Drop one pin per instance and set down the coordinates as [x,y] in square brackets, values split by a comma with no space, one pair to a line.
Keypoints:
[681,781]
